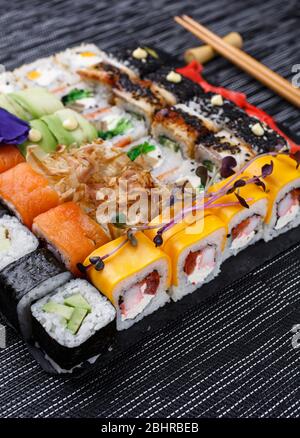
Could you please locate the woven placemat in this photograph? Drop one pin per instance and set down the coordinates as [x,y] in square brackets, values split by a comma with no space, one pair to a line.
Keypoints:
[233,355]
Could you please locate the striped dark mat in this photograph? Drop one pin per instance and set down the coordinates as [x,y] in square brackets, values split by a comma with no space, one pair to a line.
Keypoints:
[232,356]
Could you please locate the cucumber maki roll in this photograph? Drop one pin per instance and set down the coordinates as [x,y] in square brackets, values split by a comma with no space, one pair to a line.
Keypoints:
[25,281]
[73,324]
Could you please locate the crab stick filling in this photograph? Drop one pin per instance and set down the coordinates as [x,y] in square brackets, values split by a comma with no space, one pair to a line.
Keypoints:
[135,299]
[288,208]
[244,232]
[199,264]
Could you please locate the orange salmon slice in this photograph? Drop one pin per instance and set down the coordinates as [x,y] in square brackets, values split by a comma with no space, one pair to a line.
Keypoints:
[74,234]
[10,156]
[27,192]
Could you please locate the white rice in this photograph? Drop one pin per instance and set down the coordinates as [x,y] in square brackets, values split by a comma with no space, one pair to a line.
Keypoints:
[8,82]
[22,241]
[159,299]
[269,229]
[258,208]
[51,75]
[73,60]
[102,313]
[184,287]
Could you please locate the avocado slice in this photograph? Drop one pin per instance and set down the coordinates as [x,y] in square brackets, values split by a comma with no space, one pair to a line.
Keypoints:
[13,107]
[76,320]
[37,101]
[56,128]
[47,143]
[77,301]
[85,132]
[59,309]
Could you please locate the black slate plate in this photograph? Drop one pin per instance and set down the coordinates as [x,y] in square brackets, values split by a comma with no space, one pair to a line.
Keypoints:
[232,270]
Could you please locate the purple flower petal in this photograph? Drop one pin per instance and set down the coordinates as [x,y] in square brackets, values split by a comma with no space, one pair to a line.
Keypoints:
[12,129]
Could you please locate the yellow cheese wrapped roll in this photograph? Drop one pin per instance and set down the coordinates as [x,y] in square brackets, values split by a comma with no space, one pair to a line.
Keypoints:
[134,278]
[196,254]
[244,225]
[283,192]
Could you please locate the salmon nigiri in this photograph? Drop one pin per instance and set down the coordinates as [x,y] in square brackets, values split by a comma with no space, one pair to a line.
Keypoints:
[10,156]
[26,192]
[70,233]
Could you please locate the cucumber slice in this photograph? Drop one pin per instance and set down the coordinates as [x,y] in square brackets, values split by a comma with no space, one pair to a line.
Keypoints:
[77,301]
[77,318]
[85,132]
[56,128]
[13,107]
[59,309]
[37,101]
[47,143]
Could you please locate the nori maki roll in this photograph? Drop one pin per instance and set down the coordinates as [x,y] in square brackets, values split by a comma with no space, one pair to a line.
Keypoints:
[26,280]
[73,324]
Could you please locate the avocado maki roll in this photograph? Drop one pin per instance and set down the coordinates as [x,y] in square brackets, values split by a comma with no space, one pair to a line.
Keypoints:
[26,280]
[73,324]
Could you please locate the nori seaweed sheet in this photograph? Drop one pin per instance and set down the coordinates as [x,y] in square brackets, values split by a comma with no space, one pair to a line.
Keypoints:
[4,211]
[20,277]
[98,344]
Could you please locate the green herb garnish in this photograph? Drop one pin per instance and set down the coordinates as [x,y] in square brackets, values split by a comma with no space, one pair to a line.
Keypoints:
[76,94]
[121,127]
[140,149]
[209,165]
[151,52]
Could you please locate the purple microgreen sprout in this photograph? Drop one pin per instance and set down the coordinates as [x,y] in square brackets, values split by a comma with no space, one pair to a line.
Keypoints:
[267,169]
[228,163]
[202,173]
[241,200]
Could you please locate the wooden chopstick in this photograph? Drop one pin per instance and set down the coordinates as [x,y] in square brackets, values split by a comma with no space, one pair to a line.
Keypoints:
[244,61]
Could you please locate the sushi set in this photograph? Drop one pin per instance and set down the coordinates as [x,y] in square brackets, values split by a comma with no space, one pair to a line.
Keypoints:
[88,270]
